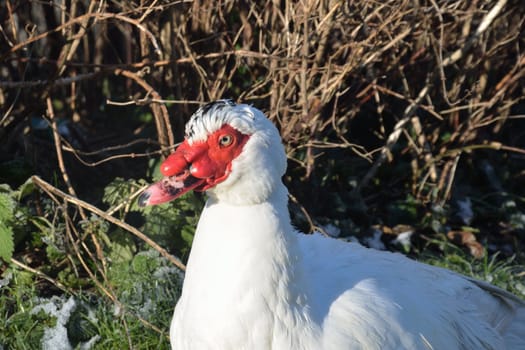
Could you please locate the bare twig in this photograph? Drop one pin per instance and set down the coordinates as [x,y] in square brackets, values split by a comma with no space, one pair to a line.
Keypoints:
[81,19]
[313,226]
[69,50]
[74,200]
[116,156]
[58,149]
[40,274]
[148,100]
[56,82]
[485,23]
[160,112]
[454,57]
[392,138]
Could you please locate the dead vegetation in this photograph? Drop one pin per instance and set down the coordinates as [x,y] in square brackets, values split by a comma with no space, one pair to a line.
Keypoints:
[356,88]
[314,66]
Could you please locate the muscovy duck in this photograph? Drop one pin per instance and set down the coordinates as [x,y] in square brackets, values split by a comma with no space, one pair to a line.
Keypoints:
[254,282]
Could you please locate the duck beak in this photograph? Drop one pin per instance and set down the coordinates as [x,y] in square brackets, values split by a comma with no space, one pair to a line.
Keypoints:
[177,180]
[169,188]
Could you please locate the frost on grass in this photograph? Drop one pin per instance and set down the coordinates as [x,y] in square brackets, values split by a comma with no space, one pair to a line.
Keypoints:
[56,338]
[149,286]
[403,239]
[375,241]
[5,282]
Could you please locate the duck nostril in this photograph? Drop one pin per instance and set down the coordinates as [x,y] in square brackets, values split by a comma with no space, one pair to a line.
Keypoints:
[143,199]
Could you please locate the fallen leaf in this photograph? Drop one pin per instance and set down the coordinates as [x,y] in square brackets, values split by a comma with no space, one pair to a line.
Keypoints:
[467,239]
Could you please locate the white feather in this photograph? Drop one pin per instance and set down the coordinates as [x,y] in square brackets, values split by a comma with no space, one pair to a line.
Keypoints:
[253,282]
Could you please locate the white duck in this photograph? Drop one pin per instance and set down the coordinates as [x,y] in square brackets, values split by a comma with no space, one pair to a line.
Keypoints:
[254,282]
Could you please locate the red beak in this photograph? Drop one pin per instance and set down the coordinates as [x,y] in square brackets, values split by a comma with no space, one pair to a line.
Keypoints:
[199,166]
[178,178]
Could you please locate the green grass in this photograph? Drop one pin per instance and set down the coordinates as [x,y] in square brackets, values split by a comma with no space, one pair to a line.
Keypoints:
[148,288]
[505,272]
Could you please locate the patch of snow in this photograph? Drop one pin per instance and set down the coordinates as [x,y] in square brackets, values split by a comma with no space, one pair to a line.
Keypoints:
[375,241]
[331,230]
[117,310]
[403,239]
[520,287]
[56,338]
[165,272]
[465,212]
[5,281]
[148,308]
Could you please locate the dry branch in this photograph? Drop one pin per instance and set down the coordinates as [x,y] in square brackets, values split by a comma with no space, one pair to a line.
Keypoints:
[40,274]
[81,19]
[410,110]
[80,203]
[58,149]
[160,111]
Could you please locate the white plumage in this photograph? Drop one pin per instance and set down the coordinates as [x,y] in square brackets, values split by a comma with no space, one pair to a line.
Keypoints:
[253,282]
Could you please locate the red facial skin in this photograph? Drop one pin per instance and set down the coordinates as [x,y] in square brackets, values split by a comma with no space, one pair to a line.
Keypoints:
[210,159]
[197,167]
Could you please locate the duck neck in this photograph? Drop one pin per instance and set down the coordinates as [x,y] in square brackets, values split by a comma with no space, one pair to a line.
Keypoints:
[242,244]
[242,264]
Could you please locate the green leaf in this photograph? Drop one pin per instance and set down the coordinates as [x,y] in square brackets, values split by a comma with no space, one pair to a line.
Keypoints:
[122,246]
[120,190]
[7,207]
[25,189]
[7,245]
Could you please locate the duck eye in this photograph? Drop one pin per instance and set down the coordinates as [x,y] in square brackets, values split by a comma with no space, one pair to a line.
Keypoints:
[225,140]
